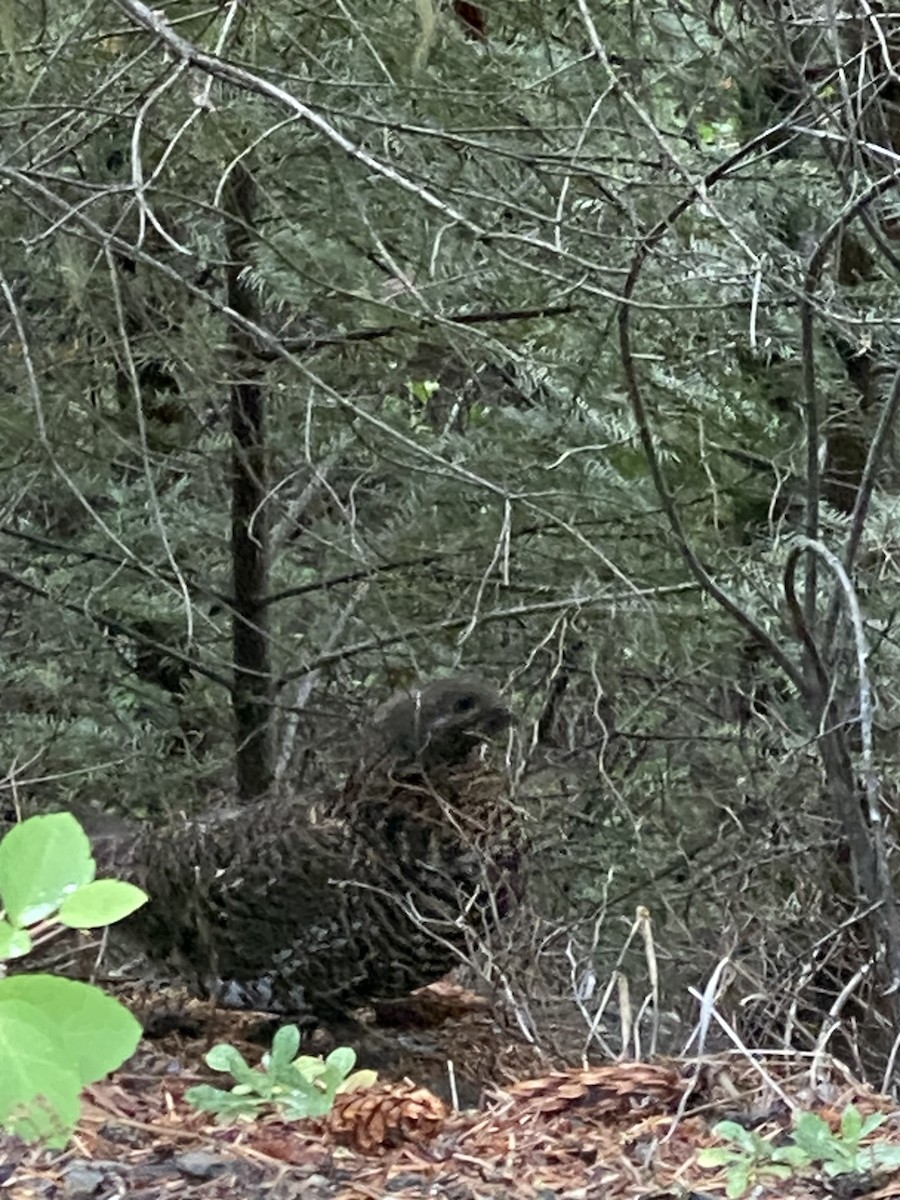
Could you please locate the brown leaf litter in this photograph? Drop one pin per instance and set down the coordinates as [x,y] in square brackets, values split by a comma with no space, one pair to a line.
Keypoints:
[620,1131]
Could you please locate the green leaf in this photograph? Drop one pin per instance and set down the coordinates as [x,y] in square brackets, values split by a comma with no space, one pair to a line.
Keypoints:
[337,1066]
[884,1155]
[832,1167]
[305,1082]
[851,1124]
[39,1085]
[301,1086]
[872,1122]
[734,1132]
[205,1096]
[738,1182]
[845,1158]
[794,1155]
[299,1105]
[100,903]
[813,1135]
[423,389]
[226,1104]
[309,1066]
[716,1156]
[364,1078]
[223,1057]
[776,1170]
[342,1060]
[285,1045]
[41,861]
[13,942]
[98,1032]
[840,1166]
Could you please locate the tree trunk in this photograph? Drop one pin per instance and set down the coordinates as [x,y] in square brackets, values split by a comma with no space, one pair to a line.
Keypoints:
[249,514]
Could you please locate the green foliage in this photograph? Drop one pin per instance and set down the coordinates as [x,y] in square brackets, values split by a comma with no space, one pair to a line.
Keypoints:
[752,1159]
[56,1035]
[46,867]
[296,1086]
[840,1153]
[41,862]
[452,479]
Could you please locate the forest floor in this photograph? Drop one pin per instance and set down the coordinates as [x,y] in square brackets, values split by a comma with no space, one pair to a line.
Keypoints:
[624,1130]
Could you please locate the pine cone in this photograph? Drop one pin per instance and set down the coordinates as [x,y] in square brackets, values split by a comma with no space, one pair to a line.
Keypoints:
[266,908]
[386,1115]
[615,1089]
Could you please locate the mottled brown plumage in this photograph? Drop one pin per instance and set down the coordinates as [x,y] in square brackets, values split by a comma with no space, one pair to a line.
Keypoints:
[266,907]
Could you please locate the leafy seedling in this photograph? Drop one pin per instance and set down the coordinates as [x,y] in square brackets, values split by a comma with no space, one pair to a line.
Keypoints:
[842,1153]
[295,1086]
[751,1160]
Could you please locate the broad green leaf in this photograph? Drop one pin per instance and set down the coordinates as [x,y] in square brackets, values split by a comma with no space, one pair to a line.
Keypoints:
[13,942]
[39,1084]
[777,1170]
[840,1166]
[364,1078]
[851,1124]
[100,903]
[205,1096]
[309,1066]
[814,1136]
[716,1156]
[738,1180]
[285,1045]
[343,1060]
[841,1156]
[223,1057]
[736,1133]
[872,1122]
[299,1083]
[298,1105]
[98,1032]
[215,1100]
[883,1155]
[41,861]
[793,1155]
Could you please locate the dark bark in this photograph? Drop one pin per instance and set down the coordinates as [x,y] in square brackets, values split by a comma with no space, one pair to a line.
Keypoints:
[249,514]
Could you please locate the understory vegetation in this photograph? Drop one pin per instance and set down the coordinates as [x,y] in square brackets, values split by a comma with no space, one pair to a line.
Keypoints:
[348,344]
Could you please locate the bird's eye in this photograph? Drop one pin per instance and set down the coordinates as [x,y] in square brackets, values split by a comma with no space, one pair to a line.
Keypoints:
[464,704]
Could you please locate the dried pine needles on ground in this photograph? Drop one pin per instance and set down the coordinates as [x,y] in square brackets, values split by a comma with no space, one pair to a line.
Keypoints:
[629,1129]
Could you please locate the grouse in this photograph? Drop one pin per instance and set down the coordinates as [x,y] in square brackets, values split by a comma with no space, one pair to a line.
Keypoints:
[267,907]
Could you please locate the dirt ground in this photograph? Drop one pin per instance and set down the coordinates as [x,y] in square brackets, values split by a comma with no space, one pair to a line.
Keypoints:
[624,1129]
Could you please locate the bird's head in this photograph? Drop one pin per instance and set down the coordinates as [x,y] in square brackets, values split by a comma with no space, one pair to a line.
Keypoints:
[439,723]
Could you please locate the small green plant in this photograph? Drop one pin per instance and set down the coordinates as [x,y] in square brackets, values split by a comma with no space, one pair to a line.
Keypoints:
[751,1159]
[421,390]
[296,1086]
[56,1035]
[841,1153]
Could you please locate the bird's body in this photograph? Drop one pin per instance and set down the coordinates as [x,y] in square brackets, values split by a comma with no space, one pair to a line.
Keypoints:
[267,907]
